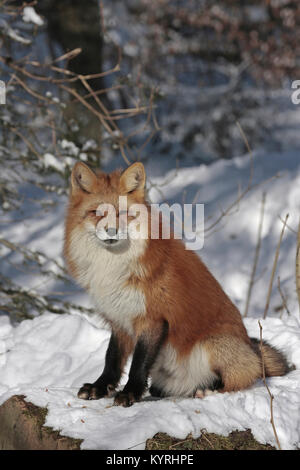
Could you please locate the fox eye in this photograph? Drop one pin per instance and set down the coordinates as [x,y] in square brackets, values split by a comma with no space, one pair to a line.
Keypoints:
[94,212]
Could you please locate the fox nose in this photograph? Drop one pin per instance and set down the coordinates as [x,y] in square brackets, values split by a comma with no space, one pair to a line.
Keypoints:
[111,232]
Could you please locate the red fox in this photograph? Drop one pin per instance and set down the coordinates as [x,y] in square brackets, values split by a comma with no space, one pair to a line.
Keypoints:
[162,304]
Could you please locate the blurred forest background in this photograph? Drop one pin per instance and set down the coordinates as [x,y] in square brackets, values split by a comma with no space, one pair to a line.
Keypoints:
[113,81]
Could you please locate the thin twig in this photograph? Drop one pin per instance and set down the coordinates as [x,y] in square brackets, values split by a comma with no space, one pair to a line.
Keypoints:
[274,266]
[206,438]
[257,251]
[249,151]
[242,194]
[228,211]
[284,303]
[178,443]
[29,90]
[26,141]
[294,231]
[43,78]
[266,385]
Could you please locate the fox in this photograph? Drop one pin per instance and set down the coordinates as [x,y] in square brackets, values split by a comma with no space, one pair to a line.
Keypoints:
[165,309]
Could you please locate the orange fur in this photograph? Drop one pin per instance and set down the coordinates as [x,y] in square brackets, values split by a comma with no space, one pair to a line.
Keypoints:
[194,304]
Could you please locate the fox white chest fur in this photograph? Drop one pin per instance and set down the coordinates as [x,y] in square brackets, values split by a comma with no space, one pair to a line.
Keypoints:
[105,273]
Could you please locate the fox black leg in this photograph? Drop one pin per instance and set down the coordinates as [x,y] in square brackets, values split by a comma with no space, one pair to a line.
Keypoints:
[156,392]
[105,385]
[145,353]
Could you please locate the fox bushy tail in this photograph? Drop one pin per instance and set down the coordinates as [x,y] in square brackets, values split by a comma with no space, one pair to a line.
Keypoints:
[274,360]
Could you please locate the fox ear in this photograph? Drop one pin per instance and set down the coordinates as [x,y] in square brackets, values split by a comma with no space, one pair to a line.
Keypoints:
[83,178]
[133,178]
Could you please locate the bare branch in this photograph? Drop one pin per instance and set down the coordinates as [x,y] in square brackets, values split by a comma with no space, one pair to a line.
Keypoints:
[282,296]
[274,266]
[266,385]
[257,251]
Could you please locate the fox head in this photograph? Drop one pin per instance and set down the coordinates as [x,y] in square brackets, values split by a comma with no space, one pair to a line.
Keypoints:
[106,208]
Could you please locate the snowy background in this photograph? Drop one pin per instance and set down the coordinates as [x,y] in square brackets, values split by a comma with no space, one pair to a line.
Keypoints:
[50,340]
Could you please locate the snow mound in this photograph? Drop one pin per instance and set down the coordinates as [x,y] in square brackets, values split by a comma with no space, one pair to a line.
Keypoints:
[48,358]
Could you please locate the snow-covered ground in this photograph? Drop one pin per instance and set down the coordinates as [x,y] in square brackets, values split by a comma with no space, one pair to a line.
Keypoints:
[49,357]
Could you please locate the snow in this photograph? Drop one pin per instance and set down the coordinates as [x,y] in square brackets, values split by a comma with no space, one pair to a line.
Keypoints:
[10,32]
[70,146]
[48,358]
[52,162]
[30,16]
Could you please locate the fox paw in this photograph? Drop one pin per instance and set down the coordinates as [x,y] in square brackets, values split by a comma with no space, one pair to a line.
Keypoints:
[124,399]
[204,393]
[94,392]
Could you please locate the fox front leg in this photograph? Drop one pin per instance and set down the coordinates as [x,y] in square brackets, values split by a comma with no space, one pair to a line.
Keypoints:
[119,348]
[146,350]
